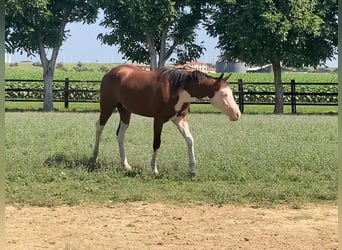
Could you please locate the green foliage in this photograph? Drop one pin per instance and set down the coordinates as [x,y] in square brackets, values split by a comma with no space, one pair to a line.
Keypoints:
[294,32]
[141,35]
[242,162]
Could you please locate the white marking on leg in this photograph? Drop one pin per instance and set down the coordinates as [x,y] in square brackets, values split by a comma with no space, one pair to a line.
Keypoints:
[183,97]
[121,140]
[99,130]
[154,163]
[183,128]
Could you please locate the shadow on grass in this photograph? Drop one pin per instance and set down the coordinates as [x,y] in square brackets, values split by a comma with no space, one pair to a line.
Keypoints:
[63,161]
[60,160]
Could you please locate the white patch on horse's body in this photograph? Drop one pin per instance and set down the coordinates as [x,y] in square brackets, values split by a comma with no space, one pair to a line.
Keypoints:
[124,73]
[183,97]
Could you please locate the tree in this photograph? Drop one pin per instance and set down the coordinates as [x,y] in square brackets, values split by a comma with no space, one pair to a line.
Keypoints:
[292,33]
[151,31]
[39,27]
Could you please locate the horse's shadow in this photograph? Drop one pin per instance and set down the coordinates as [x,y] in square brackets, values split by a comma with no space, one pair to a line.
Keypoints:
[61,160]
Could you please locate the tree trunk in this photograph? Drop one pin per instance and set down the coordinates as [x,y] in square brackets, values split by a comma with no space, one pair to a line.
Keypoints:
[152,51]
[161,62]
[48,72]
[162,54]
[49,65]
[48,93]
[279,90]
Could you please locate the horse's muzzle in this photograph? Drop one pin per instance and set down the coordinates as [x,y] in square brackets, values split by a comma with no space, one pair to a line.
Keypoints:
[236,116]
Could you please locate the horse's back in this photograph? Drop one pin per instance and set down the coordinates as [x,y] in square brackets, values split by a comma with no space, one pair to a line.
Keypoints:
[139,91]
[116,74]
[128,74]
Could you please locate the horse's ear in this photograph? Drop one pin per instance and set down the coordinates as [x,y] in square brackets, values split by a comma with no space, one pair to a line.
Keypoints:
[227,77]
[218,82]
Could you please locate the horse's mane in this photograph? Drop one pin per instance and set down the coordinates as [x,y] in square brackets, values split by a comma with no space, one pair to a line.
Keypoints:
[179,79]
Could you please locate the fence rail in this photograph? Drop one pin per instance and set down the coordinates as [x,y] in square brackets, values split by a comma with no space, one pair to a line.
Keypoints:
[65,91]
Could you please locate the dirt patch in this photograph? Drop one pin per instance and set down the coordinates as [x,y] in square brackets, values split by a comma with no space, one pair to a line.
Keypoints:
[166,226]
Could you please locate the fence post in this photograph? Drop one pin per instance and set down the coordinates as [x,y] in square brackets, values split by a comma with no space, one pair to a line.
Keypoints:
[66,93]
[241,102]
[293,97]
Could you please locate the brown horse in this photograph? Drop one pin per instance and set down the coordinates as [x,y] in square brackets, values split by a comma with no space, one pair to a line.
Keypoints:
[163,94]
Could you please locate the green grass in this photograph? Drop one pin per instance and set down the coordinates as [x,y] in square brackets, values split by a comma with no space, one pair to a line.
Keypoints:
[263,159]
[58,106]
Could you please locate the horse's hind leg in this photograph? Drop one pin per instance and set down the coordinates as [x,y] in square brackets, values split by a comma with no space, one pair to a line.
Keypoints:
[157,129]
[105,113]
[99,130]
[125,117]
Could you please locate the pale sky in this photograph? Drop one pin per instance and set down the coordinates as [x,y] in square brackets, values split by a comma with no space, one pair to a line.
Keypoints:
[82,46]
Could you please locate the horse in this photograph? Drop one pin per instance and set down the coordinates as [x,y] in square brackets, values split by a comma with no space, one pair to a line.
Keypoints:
[164,95]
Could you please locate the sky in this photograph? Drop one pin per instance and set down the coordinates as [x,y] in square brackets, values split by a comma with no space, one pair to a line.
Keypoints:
[83,46]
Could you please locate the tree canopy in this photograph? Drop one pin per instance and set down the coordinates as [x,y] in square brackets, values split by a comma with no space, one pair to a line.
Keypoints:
[296,32]
[151,31]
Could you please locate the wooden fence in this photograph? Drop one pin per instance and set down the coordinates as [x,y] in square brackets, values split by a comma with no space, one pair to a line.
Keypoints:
[241,94]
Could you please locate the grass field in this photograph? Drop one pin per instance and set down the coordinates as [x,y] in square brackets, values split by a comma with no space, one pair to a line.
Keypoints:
[262,159]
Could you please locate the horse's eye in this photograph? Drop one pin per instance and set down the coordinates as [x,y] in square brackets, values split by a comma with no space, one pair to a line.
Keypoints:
[224,94]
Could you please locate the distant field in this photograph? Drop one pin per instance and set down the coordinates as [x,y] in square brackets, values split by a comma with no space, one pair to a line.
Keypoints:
[262,159]
[28,71]
[95,71]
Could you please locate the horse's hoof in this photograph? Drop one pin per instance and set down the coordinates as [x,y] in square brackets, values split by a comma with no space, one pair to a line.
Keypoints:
[127,168]
[91,164]
[156,174]
[193,176]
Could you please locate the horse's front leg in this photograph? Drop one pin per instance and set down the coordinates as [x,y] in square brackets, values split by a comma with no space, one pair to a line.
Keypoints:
[183,127]
[157,129]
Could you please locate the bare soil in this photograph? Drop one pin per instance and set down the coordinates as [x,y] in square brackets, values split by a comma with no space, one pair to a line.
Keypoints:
[165,226]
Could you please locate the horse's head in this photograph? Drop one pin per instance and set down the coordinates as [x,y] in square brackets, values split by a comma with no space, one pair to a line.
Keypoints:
[223,99]
[200,85]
